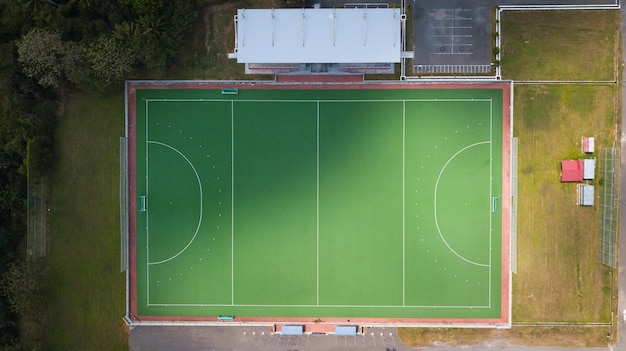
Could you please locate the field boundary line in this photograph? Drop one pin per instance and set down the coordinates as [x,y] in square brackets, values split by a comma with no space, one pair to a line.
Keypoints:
[232,202]
[319,100]
[403,203]
[147,216]
[311,306]
[317,224]
[491,197]
[404,197]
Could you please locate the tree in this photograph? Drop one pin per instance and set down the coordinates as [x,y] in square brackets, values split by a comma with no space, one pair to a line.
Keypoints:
[23,285]
[143,7]
[74,64]
[37,5]
[109,62]
[142,39]
[152,25]
[40,53]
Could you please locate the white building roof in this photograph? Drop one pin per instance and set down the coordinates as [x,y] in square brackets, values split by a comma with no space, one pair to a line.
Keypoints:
[586,195]
[327,35]
[589,168]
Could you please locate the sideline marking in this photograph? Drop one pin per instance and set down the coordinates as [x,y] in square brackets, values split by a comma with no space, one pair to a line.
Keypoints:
[403,203]
[318,207]
[232,209]
[232,202]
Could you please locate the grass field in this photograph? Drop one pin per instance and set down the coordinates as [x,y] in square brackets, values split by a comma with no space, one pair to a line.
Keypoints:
[86,294]
[559,45]
[304,200]
[518,337]
[557,237]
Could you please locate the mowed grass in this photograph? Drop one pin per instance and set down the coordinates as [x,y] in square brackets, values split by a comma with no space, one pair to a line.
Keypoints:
[565,336]
[86,296]
[559,276]
[559,45]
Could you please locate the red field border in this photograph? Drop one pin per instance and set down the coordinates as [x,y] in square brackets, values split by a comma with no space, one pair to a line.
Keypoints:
[313,323]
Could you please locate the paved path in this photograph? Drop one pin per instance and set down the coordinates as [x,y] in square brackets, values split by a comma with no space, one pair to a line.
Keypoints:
[190,338]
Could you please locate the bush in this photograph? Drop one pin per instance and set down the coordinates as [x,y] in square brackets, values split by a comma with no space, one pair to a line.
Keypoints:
[40,53]
[23,286]
[109,62]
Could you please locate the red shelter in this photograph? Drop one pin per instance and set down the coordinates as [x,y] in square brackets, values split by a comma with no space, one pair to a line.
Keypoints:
[572,171]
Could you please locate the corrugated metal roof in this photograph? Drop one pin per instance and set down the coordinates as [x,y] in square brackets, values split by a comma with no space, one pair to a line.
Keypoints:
[345,330]
[352,35]
[586,195]
[572,171]
[292,330]
[589,166]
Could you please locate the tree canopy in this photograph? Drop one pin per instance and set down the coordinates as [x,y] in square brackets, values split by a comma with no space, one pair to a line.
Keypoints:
[41,54]
[48,47]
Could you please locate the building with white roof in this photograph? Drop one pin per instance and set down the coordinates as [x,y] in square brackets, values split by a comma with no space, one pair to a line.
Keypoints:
[344,37]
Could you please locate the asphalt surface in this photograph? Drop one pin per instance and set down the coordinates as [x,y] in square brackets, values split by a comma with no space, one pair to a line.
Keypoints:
[189,338]
[451,33]
[183,338]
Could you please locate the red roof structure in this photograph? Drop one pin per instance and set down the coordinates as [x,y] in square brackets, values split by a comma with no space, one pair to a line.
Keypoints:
[572,171]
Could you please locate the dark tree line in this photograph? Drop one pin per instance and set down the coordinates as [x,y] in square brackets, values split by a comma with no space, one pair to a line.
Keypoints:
[49,47]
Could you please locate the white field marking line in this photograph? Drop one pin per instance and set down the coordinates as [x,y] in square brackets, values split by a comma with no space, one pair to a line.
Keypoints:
[232,202]
[232,176]
[435,204]
[318,207]
[147,216]
[199,186]
[491,193]
[311,306]
[313,100]
[403,203]
[452,36]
